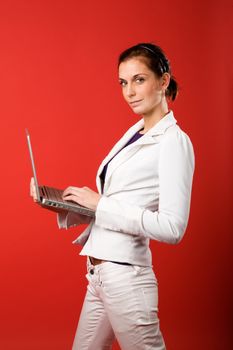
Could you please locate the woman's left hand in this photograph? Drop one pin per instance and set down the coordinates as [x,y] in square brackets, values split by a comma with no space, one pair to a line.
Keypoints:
[82,195]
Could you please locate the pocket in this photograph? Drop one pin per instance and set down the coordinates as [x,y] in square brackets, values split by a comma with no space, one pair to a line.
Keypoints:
[148,304]
[150,296]
[88,277]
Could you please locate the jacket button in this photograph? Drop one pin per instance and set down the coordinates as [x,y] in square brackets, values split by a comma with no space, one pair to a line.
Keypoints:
[92,271]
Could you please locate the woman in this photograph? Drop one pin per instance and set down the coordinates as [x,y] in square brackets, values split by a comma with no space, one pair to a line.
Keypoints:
[144,187]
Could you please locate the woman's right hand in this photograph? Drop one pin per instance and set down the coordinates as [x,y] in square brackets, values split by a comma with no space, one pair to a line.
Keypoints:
[33,190]
[77,218]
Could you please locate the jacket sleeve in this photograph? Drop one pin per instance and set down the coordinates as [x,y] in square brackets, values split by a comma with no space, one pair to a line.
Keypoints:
[70,219]
[168,224]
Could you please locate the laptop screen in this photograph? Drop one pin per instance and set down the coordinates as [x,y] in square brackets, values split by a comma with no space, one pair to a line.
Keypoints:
[33,164]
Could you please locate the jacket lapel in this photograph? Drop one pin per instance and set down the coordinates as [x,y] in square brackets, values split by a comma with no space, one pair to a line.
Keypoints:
[116,148]
[151,137]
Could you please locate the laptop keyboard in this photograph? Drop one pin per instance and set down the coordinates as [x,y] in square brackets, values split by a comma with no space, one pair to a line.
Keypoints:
[54,193]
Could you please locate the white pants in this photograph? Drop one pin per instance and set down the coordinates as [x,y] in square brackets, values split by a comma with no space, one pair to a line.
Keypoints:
[121,302]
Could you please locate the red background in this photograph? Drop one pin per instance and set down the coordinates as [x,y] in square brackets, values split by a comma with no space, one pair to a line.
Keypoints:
[58,77]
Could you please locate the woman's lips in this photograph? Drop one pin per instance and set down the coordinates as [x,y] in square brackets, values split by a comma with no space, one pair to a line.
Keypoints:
[134,103]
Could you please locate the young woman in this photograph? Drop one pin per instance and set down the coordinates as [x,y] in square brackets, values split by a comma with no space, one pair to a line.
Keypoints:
[144,190]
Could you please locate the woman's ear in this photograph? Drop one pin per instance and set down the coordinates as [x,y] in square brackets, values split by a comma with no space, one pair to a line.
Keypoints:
[165,80]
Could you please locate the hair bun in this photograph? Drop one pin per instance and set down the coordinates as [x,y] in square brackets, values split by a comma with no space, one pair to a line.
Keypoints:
[172,89]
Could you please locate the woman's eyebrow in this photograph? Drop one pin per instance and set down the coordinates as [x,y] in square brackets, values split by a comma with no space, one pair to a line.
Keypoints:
[134,76]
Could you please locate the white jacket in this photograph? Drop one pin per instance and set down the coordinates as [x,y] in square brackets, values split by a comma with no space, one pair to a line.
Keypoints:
[146,195]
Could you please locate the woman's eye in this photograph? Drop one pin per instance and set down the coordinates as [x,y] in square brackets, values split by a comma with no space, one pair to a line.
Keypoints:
[140,80]
[122,83]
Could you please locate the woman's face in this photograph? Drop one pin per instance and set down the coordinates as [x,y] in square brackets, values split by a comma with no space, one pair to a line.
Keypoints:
[141,88]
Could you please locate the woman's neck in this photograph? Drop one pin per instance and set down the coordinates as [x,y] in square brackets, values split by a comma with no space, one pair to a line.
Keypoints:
[152,119]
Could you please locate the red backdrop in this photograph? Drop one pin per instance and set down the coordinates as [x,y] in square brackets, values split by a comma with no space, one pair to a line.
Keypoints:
[58,77]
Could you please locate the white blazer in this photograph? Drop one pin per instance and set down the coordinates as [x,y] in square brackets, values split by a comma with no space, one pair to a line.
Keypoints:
[146,195]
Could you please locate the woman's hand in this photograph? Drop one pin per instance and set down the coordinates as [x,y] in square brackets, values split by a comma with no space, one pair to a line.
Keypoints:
[33,190]
[82,195]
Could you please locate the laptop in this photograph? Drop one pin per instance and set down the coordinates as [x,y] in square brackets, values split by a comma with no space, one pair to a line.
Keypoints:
[50,197]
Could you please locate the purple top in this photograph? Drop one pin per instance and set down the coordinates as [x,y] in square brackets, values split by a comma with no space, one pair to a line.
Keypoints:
[133,139]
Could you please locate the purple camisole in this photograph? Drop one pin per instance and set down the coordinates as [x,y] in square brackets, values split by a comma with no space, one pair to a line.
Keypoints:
[104,171]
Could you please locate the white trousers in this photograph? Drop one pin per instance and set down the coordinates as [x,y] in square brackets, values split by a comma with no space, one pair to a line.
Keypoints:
[122,302]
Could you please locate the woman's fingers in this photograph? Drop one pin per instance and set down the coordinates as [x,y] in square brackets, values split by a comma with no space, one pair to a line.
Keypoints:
[33,189]
[82,195]
[75,194]
[72,197]
[72,190]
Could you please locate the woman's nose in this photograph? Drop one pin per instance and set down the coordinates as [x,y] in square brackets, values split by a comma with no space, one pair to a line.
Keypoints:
[130,90]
